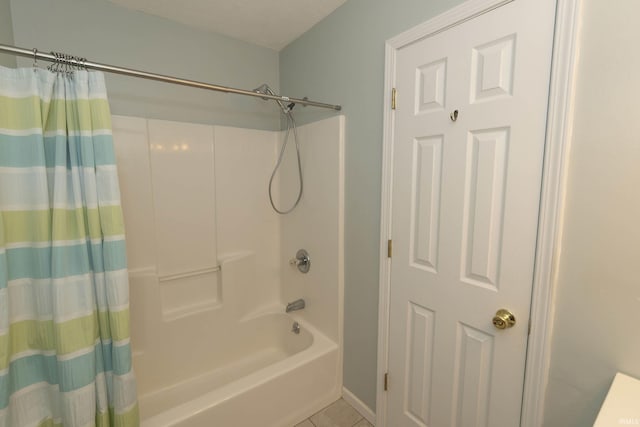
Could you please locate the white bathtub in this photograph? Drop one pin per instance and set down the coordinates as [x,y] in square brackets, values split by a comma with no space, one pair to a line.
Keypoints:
[205,266]
[274,378]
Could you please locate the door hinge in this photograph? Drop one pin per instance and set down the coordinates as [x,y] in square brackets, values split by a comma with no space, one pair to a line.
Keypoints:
[394,93]
[386,381]
[529,328]
[389,248]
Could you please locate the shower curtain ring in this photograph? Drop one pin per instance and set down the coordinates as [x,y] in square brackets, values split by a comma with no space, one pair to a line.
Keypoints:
[51,67]
[35,58]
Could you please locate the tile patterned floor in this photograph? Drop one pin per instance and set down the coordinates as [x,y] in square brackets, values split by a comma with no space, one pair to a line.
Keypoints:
[338,414]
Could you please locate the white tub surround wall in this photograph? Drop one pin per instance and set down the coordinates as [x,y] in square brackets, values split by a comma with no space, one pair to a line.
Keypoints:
[245,222]
[209,332]
[320,209]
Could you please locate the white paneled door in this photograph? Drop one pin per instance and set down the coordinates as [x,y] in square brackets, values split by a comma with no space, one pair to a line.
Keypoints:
[468,143]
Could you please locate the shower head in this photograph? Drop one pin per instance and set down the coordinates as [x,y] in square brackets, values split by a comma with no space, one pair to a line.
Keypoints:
[265,89]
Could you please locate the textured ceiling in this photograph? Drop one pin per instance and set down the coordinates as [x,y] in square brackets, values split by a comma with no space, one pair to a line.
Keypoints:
[268,23]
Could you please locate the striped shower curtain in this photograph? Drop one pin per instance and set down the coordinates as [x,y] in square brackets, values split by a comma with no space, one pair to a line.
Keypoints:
[65,356]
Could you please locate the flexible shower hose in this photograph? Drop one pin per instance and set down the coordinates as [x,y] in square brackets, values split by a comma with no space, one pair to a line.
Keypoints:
[291,124]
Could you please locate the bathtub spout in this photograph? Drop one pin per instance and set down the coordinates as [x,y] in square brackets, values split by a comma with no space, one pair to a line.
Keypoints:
[295,305]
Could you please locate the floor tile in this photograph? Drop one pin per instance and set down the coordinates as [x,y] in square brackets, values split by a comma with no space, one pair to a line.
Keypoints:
[338,414]
[363,423]
[305,423]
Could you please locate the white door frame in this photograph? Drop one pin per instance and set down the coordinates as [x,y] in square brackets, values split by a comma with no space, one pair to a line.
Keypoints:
[557,144]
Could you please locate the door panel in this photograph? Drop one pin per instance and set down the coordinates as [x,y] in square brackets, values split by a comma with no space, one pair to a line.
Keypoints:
[419,361]
[465,201]
[484,206]
[426,182]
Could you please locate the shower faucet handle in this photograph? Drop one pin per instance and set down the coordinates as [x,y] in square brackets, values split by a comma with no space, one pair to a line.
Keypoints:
[302,261]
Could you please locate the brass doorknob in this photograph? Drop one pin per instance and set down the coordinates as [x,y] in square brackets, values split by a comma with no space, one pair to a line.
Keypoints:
[504,319]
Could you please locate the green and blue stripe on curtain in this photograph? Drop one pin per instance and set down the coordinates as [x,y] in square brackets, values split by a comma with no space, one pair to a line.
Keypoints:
[65,355]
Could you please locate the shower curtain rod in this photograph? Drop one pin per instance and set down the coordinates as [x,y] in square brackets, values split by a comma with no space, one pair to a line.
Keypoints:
[81,63]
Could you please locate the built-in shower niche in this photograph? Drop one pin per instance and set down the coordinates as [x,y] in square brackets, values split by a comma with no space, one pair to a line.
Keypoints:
[176,294]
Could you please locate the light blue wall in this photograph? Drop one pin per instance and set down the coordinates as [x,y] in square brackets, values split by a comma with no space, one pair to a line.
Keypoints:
[6,32]
[341,60]
[103,32]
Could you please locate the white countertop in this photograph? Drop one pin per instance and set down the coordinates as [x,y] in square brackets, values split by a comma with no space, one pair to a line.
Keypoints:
[621,407]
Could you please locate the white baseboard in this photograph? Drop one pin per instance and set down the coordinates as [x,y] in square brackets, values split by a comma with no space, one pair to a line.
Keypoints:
[359,405]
